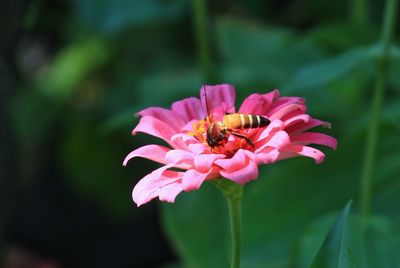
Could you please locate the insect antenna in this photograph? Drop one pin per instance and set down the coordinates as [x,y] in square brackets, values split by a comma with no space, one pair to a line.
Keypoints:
[206,99]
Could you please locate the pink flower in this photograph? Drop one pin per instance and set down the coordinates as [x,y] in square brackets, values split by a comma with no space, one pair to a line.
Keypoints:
[189,160]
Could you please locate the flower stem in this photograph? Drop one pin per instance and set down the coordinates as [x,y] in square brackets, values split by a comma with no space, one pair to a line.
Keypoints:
[373,133]
[202,38]
[233,193]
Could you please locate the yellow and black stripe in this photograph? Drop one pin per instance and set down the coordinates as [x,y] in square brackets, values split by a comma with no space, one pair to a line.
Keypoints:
[240,121]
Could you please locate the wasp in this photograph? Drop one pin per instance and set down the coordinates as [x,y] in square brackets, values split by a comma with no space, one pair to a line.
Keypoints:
[218,131]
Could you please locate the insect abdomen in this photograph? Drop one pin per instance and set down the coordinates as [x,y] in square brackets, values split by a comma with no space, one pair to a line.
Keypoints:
[237,121]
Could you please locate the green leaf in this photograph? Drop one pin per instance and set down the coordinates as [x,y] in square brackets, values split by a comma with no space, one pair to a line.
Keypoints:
[335,251]
[255,54]
[71,65]
[328,70]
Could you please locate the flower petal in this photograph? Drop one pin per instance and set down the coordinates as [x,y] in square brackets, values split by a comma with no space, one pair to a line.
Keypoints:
[267,156]
[304,118]
[278,140]
[303,126]
[149,187]
[180,158]
[169,192]
[240,168]
[192,179]
[155,127]
[270,130]
[189,109]
[284,110]
[153,152]
[220,98]
[165,115]
[314,138]
[204,162]
[258,104]
[297,150]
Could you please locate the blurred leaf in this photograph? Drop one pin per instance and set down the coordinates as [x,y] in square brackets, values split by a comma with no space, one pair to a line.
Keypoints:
[61,78]
[335,251]
[342,35]
[113,16]
[375,241]
[326,71]
[252,53]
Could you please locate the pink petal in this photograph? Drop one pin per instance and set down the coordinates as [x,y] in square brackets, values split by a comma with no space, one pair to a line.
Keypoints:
[267,156]
[189,109]
[169,192]
[300,127]
[192,179]
[164,115]
[294,119]
[182,140]
[181,158]
[155,127]
[258,103]
[240,168]
[153,152]
[279,140]
[204,162]
[285,101]
[315,138]
[271,129]
[220,98]
[284,110]
[150,186]
[296,150]
[198,148]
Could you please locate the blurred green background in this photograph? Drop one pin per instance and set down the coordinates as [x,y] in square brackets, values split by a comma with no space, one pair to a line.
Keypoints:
[73,73]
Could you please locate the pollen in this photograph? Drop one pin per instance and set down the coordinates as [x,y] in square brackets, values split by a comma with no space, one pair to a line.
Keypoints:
[199,130]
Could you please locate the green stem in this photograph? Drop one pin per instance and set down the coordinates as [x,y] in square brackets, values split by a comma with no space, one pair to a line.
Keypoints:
[233,193]
[202,38]
[359,12]
[373,133]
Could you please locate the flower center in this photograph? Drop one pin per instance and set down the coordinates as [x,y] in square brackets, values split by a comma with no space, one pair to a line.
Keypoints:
[229,147]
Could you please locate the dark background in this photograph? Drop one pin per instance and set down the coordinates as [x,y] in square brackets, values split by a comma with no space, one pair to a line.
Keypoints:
[73,73]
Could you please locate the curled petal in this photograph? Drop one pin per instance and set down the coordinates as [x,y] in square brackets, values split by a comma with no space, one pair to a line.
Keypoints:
[192,179]
[315,138]
[198,148]
[189,109]
[267,156]
[272,128]
[284,110]
[297,150]
[204,162]
[279,140]
[151,185]
[164,115]
[155,127]
[153,152]
[220,98]
[169,192]
[180,158]
[240,168]
[258,103]
[303,126]
[294,119]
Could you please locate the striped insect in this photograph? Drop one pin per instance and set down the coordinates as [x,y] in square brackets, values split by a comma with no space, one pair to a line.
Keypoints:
[218,131]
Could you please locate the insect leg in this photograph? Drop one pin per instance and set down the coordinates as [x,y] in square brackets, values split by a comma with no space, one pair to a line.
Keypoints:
[242,137]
